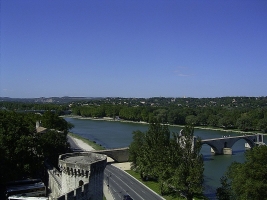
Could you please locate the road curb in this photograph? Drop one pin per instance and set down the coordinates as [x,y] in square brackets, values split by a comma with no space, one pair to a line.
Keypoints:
[142,184]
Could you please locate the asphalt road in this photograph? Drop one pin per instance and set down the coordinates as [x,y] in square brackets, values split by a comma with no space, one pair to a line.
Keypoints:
[121,183]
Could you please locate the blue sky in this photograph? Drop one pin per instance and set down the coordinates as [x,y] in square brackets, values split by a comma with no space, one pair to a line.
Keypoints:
[140,48]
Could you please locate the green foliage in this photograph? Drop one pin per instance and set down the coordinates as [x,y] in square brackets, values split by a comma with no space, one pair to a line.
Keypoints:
[34,107]
[154,185]
[188,173]
[51,120]
[136,148]
[17,145]
[244,123]
[249,179]
[52,144]
[22,150]
[243,113]
[225,191]
[174,162]
[262,125]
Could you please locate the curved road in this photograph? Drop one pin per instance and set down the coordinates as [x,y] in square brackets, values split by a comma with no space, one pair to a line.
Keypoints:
[121,183]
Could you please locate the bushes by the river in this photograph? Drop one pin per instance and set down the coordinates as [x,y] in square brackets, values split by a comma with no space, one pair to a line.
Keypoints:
[245,119]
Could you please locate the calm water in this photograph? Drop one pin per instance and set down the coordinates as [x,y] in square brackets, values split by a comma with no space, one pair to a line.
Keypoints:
[119,134]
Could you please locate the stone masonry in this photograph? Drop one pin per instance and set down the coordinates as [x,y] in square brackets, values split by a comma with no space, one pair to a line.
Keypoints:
[81,177]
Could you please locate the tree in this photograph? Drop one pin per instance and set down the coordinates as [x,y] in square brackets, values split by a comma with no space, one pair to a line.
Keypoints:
[18,156]
[249,179]
[226,122]
[225,191]
[52,121]
[244,123]
[175,117]
[52,144]
[174,162]
[262,125]
[22,150]
[191,120]
[148,151]
[136,148]
[188,174]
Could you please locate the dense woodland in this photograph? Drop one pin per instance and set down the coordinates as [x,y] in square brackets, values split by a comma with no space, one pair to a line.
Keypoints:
[23,150]
[242,113]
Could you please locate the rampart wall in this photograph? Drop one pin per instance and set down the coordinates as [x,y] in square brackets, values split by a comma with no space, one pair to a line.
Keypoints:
[81,177]
[54,181]
[81,193]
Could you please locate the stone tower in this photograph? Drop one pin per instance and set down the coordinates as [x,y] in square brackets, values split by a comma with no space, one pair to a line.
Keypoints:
[81,168]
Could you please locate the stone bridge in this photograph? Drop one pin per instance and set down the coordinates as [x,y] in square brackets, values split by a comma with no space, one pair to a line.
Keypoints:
[224,145]
[119,155]
[218,146]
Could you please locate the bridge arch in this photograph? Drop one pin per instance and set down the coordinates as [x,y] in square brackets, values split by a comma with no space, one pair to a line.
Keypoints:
[214,148]
[224,145]
[250,141]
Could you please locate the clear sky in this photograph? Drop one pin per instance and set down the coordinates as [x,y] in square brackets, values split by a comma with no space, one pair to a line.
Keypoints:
[133,48]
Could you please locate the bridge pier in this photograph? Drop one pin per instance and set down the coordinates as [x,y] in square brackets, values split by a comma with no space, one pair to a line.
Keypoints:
[227,151]
[224,145]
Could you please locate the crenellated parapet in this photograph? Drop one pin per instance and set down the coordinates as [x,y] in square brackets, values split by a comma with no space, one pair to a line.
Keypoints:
[82,172]
[75,172]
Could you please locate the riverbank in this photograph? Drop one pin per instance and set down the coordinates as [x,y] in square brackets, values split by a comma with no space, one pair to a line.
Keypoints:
[142,122]
[83,142]
[88,145]
[108,131]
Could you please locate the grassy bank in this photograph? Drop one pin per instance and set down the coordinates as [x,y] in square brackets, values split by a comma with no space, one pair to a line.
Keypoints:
[154,185]
[89,142]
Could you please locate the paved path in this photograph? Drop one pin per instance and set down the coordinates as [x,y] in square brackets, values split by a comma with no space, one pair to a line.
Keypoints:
[106,191]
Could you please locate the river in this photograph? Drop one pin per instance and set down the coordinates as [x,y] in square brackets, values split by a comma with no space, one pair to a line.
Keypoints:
[115,134]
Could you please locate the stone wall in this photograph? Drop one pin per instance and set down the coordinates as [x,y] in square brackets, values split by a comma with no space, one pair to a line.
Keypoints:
[54,181]
[119,155]
[81,193]
[81,177]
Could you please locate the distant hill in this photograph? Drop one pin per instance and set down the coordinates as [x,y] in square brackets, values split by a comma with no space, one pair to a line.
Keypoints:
[59,100]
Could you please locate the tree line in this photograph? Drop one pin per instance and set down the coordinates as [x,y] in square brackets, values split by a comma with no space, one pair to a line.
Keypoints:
[242,113]
[245,119]
[23,150]
[59,109]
